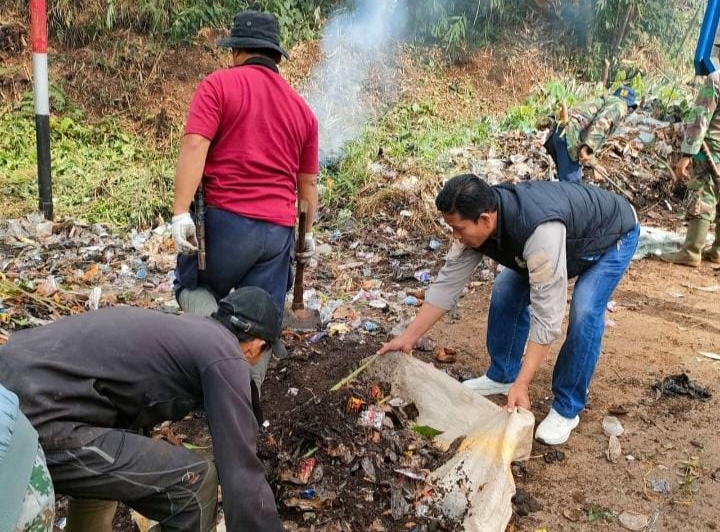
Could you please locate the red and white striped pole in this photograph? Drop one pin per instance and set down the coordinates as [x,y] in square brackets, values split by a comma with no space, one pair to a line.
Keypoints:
[38,23]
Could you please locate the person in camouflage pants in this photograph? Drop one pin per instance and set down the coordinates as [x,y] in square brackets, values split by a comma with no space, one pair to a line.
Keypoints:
[27,497]
[586,128]
[702,128]
[38,508]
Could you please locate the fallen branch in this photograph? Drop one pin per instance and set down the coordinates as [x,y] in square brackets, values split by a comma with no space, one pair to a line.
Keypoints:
[12,288]
[355,373]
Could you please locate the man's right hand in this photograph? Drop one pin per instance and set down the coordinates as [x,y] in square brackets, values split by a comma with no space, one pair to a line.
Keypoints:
[401,343]
[184,233]
[681,169]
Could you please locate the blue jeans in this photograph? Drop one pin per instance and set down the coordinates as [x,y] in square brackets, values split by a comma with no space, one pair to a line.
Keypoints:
[240,252]
[509,325]
[567,169]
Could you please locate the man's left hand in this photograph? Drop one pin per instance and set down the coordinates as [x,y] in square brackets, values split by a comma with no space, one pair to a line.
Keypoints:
[518,395]
[305,256]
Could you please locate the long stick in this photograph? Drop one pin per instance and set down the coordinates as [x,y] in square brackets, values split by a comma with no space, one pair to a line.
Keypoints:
[50,304]
[355,373]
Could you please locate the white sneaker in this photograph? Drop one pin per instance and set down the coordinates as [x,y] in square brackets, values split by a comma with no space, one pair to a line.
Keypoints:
[555,429]
[486,386]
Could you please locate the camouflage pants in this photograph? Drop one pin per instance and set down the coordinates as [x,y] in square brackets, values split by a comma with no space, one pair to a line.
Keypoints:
[38,509]
[702,193]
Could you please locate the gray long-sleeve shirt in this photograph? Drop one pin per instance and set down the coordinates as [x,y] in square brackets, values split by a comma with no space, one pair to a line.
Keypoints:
[545,256]
[128,368]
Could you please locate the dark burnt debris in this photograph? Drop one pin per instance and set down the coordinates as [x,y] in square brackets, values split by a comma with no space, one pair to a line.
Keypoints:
[350,460]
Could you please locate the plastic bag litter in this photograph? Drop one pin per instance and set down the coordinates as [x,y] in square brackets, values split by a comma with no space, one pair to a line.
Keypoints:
[480,472]
[656,241]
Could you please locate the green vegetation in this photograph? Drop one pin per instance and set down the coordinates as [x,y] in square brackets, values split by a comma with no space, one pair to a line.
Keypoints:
[103,174]
[412,135]
[76,23]
[597,514]
[100,173]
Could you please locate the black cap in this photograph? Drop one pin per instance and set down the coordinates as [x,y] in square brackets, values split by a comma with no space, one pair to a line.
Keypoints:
[253,314]
[253,30]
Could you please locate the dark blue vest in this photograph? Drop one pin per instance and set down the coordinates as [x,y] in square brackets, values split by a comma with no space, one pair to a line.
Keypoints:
[594,220]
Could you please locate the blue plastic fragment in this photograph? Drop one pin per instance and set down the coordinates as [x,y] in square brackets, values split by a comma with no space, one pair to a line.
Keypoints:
[317,337]
[370,326]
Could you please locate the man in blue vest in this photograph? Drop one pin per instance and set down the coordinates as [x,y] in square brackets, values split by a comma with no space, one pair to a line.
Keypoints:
[544,233]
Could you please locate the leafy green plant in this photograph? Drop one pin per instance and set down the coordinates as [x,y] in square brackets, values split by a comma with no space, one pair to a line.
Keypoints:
[76,23]
[100,173]
[597,513]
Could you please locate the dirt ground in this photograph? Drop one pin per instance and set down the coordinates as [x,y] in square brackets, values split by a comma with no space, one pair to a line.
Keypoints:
[660,323]
[659,326]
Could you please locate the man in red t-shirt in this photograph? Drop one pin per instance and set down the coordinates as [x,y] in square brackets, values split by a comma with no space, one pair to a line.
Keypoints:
[252,142]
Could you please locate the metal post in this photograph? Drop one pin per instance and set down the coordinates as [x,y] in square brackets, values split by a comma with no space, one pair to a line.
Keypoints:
[38,21]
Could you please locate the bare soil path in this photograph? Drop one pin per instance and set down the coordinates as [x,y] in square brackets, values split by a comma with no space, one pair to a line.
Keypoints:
[660,326]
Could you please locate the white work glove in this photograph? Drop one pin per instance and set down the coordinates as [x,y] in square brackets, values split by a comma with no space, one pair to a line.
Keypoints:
[305,256]
[183,233]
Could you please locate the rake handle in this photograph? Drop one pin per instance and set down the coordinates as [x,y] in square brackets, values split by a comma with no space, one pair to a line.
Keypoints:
[297,303]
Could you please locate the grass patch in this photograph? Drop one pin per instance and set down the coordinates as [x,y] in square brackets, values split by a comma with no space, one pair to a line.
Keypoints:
[100,173]
[410,138]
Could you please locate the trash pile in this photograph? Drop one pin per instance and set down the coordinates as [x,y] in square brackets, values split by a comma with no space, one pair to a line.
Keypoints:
[380,451]
[49,269]
[356,460]
[635,162]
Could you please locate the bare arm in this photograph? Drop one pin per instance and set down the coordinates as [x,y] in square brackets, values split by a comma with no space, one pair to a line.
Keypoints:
[308,191]
[189,170]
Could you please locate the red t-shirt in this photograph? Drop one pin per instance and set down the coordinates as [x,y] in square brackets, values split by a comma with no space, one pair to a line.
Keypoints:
[262,135]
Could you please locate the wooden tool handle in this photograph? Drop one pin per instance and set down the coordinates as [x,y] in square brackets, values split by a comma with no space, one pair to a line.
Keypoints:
[297,303]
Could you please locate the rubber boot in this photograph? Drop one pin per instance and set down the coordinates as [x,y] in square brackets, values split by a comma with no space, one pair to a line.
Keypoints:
[690,254]
[713,252]
[85,515]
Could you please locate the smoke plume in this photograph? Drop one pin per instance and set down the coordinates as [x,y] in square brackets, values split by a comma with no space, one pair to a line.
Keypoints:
[355,78]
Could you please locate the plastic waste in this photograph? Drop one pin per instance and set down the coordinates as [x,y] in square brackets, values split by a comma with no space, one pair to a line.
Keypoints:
[423,276]
[370,326]
[656,241]
[411,301]
[612,426]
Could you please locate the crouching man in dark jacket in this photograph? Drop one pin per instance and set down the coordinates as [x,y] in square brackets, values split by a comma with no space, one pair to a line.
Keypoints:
[88,383]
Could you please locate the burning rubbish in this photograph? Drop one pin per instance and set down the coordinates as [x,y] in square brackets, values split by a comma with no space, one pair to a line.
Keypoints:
[357,53]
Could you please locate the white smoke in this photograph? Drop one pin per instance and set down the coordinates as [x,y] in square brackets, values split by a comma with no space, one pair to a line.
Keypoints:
[354,78]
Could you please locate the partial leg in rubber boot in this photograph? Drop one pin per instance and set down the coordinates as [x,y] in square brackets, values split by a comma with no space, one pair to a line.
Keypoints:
[690,254]
[712,254]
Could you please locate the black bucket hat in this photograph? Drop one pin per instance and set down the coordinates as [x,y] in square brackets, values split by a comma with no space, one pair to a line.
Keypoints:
[252,30]
[253,314]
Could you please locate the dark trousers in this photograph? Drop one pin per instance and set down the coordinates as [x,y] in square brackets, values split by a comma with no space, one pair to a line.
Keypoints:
[567,169]
[241,252]
[172,485]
